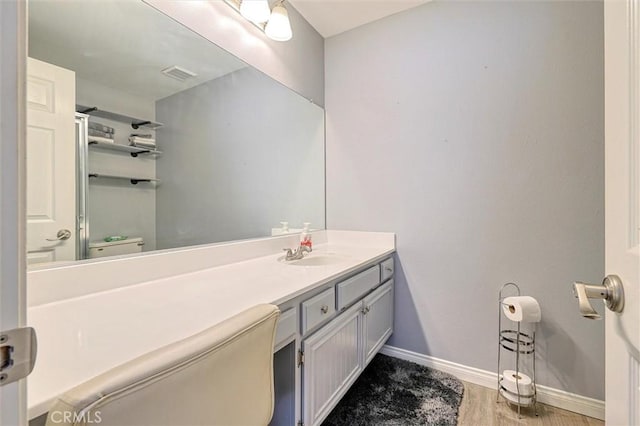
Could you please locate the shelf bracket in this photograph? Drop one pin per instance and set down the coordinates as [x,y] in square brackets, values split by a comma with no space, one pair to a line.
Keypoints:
[135,181]
[88,110]
[135,154]
[136,125]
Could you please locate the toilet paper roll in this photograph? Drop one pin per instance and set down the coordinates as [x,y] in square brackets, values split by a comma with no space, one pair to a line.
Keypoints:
[524,383]
[521,309]
[522,401]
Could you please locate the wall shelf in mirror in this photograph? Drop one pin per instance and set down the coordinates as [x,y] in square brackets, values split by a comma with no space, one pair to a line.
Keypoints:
[133,150]
[132,179]
[136,123]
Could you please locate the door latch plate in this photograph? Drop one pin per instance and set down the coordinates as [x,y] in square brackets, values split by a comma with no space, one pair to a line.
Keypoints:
[18,349]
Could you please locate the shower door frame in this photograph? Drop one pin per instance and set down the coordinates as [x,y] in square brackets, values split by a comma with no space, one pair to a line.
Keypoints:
[82,186]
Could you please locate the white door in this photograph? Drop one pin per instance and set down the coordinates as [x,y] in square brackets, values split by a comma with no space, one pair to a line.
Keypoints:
[51,163]
[622,206]
[12,272]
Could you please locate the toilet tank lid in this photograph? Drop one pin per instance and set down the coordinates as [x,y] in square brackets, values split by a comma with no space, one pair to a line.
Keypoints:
[99,244]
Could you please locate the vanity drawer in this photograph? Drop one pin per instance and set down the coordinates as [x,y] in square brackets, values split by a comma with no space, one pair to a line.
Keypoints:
[386,269]
[317,309]
[357,286]
[287,326]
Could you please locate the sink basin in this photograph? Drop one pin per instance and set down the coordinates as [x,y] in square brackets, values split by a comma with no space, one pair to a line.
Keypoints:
[316,259]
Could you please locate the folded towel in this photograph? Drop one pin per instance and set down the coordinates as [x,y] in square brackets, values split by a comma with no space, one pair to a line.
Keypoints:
[143,146]
[135,140]
[141,139]
[94,132]
[100,139]
[101,127]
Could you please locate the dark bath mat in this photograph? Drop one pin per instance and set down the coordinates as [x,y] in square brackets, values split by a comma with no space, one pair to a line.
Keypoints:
[391,391]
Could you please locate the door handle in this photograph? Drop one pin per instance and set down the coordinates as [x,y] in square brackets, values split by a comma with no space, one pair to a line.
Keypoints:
[611,290]
[62,235]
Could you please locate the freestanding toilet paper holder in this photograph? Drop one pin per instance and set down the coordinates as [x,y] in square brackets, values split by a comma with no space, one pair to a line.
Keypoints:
[519,343]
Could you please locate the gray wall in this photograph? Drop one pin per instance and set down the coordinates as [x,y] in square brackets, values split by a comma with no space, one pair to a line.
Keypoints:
[297,63]
[475,131]
[117,207]
[241,153]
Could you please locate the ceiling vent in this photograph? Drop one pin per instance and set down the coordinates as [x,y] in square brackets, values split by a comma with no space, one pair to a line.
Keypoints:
[178,73]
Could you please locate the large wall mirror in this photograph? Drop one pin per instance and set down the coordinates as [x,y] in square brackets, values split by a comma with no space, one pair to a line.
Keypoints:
[144,136]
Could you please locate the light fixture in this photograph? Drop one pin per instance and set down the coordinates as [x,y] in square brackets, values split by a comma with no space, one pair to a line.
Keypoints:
[278,27]
[275,23]
[256,11]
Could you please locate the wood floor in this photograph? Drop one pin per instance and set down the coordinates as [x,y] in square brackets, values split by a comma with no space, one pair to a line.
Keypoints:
[479,408]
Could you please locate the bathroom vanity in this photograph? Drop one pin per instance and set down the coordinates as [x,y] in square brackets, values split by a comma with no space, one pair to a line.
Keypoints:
[336,304]
[332,332]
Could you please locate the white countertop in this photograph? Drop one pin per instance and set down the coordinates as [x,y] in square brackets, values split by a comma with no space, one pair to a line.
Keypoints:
[81,337]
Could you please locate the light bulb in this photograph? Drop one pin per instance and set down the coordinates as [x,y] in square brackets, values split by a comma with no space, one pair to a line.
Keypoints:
[256,11]
[279,28]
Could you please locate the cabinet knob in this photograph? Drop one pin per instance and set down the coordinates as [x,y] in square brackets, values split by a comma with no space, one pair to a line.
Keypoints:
[366,310]
[324,309]
[386,268]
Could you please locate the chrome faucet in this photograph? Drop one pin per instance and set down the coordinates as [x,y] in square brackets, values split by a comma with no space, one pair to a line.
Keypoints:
[296,254]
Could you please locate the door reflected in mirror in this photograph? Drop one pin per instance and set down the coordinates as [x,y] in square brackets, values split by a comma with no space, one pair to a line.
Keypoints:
[142,136]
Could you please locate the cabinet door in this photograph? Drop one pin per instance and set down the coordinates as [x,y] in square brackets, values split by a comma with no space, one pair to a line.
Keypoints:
[378,319]
[332,362]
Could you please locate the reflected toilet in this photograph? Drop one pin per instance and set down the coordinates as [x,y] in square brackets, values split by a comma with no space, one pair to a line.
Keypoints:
[115,248]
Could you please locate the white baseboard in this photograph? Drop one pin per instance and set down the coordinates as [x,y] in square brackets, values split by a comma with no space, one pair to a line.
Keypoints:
[555,397]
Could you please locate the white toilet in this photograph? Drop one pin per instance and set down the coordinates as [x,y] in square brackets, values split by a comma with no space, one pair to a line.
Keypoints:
[115,248]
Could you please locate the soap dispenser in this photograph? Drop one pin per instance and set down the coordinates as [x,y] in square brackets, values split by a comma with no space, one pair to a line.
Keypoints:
[305,237]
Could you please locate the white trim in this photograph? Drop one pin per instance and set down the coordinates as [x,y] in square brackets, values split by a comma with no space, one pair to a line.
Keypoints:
[13,53]
[634,124]
[634,387]
[462,372]
[555,397]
